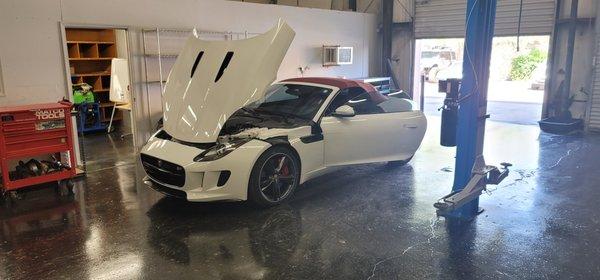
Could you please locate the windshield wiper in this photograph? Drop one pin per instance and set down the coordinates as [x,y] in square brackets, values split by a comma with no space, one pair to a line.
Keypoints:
[247,110]
[281,114]
[251,112]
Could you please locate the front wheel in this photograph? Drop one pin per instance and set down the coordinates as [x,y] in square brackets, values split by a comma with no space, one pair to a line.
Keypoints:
[274,177]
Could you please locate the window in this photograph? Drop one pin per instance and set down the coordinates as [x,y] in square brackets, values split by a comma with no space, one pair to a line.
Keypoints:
[301,101]
[362,104]
[342,98]
[429,54]
[396,104]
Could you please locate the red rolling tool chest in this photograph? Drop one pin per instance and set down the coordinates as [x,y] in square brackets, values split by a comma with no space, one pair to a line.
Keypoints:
[33,131]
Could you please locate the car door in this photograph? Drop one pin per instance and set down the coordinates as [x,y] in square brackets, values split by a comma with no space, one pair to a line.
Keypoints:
[376,133]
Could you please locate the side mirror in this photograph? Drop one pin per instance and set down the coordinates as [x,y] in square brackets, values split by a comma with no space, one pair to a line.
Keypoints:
[344,111]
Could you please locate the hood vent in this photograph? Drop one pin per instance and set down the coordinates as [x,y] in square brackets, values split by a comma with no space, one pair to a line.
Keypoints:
[231,74]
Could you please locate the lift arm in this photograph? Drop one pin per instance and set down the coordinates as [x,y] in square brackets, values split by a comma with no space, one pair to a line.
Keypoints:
[483,175]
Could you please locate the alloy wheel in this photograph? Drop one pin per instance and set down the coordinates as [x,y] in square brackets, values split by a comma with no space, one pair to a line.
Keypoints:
[277,177]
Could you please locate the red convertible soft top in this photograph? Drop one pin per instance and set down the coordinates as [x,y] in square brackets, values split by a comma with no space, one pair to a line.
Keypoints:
[340,83]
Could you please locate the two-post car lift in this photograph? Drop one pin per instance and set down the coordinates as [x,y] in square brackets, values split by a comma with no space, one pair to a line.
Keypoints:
[472,175]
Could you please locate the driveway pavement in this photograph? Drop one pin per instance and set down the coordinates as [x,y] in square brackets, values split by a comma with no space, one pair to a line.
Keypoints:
[508,101]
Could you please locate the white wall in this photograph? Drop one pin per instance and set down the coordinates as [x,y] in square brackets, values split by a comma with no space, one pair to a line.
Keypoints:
[31,47]
[33,65]
[31,53]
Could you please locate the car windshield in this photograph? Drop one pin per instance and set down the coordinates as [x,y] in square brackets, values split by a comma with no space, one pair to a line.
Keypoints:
[429,54]
[301,101]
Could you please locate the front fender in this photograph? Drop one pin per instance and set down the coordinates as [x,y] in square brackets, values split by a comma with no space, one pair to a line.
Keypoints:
[202,177]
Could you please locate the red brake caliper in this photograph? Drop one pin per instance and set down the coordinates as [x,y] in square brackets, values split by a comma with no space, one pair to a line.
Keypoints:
[284,169]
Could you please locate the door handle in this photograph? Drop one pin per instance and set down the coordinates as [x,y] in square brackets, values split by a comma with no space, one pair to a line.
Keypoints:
[411,126]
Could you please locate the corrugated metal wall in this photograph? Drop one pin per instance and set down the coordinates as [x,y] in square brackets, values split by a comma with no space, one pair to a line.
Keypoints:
[362,6]
[446,18]
[403,10]
[594,108]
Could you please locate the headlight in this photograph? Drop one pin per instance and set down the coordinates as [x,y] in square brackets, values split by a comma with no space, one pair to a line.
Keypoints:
[220,150]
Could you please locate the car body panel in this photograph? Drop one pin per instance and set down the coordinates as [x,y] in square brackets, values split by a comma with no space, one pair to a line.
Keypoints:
[372,138]
[210,80]
[201,177]
[345,140]
[205,110]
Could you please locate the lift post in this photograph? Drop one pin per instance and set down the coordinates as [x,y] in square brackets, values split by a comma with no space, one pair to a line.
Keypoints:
[471,173]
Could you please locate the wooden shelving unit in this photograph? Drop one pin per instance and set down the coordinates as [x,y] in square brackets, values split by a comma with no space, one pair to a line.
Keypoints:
[90,55]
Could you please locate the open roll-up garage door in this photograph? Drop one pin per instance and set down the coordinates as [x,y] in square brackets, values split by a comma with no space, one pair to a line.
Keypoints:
[446,18]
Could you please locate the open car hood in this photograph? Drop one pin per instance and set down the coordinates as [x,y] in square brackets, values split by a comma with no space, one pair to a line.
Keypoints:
[210,80]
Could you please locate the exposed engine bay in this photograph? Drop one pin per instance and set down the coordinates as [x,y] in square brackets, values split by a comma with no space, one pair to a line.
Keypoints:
[245,119]
[244,125]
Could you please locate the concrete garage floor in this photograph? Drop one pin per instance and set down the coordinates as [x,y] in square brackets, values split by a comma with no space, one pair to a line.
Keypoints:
[363,222]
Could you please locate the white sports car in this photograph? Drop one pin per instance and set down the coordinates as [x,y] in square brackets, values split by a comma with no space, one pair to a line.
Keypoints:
[230,135]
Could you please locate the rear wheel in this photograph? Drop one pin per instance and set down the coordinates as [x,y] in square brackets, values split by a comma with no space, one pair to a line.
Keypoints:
[274,177]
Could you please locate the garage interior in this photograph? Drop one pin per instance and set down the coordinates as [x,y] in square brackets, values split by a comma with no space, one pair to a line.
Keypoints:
[530,214]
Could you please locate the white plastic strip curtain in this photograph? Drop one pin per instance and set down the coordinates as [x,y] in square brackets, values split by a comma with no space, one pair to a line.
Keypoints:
[161,47]
[446,18]
[594,99]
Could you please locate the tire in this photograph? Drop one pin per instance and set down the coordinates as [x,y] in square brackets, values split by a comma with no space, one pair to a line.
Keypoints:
[7,200]
[398,163]
[65,188]
[271,180]
[10,199]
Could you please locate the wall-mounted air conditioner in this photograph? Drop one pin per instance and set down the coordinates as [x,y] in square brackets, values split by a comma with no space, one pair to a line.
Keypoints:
[336,55]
